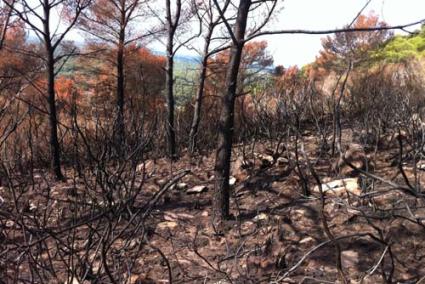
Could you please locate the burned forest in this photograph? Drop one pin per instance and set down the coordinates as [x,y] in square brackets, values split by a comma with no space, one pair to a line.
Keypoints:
[162,141]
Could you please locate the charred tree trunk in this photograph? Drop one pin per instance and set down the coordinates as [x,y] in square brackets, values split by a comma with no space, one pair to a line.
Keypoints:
[119,131]
[169,80]
[226,122]
[171,134]
[200,94]
[337,131]
[55,150]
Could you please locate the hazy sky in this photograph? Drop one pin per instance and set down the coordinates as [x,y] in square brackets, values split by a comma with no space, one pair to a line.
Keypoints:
[319,15]
[324,14]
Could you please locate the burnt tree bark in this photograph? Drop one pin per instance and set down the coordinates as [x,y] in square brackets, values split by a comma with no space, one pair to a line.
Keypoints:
[207,17]
[119,126]
[200,93]
[125,16]
[169,79]
[226,121]
[37,17]
[55,150]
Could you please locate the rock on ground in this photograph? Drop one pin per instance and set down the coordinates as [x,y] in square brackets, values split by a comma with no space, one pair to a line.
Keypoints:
[340,187]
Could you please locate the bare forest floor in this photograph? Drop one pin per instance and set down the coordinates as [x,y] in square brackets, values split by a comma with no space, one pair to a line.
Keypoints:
[62,231]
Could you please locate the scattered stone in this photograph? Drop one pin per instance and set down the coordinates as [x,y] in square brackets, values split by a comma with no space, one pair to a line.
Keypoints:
[340,187]
[1,201]
[171,217]
[356,156]
[300,212]
[205,213]
[32,207]
[281,161]
[260,217]
[10,224]
[421,165]
[349,258]
[232,181]
[181,186]
[197,189]
[266,160]
[307,240]
[161,182]
[167,225]
[184,216]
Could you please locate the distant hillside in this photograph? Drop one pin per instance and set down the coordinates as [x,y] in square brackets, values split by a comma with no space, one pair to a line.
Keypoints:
[190,59]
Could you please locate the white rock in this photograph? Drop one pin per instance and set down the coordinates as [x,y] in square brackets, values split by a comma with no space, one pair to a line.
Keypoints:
[265,159]
[161,182]
[10,224]
[167,225]
[197,189]
[185,216]
[32,206]
[421,165]
[306,240]
[260,217]
[181,185]
[232,181]
[340,187]
[169,216]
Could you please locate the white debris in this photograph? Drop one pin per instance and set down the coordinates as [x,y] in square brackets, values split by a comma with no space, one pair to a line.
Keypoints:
[181,185]
[32,206]
[197,189]
[232,181]
[306,240]
[167,225]
[421,165]
[260,217]
[340,187]
[266,160]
